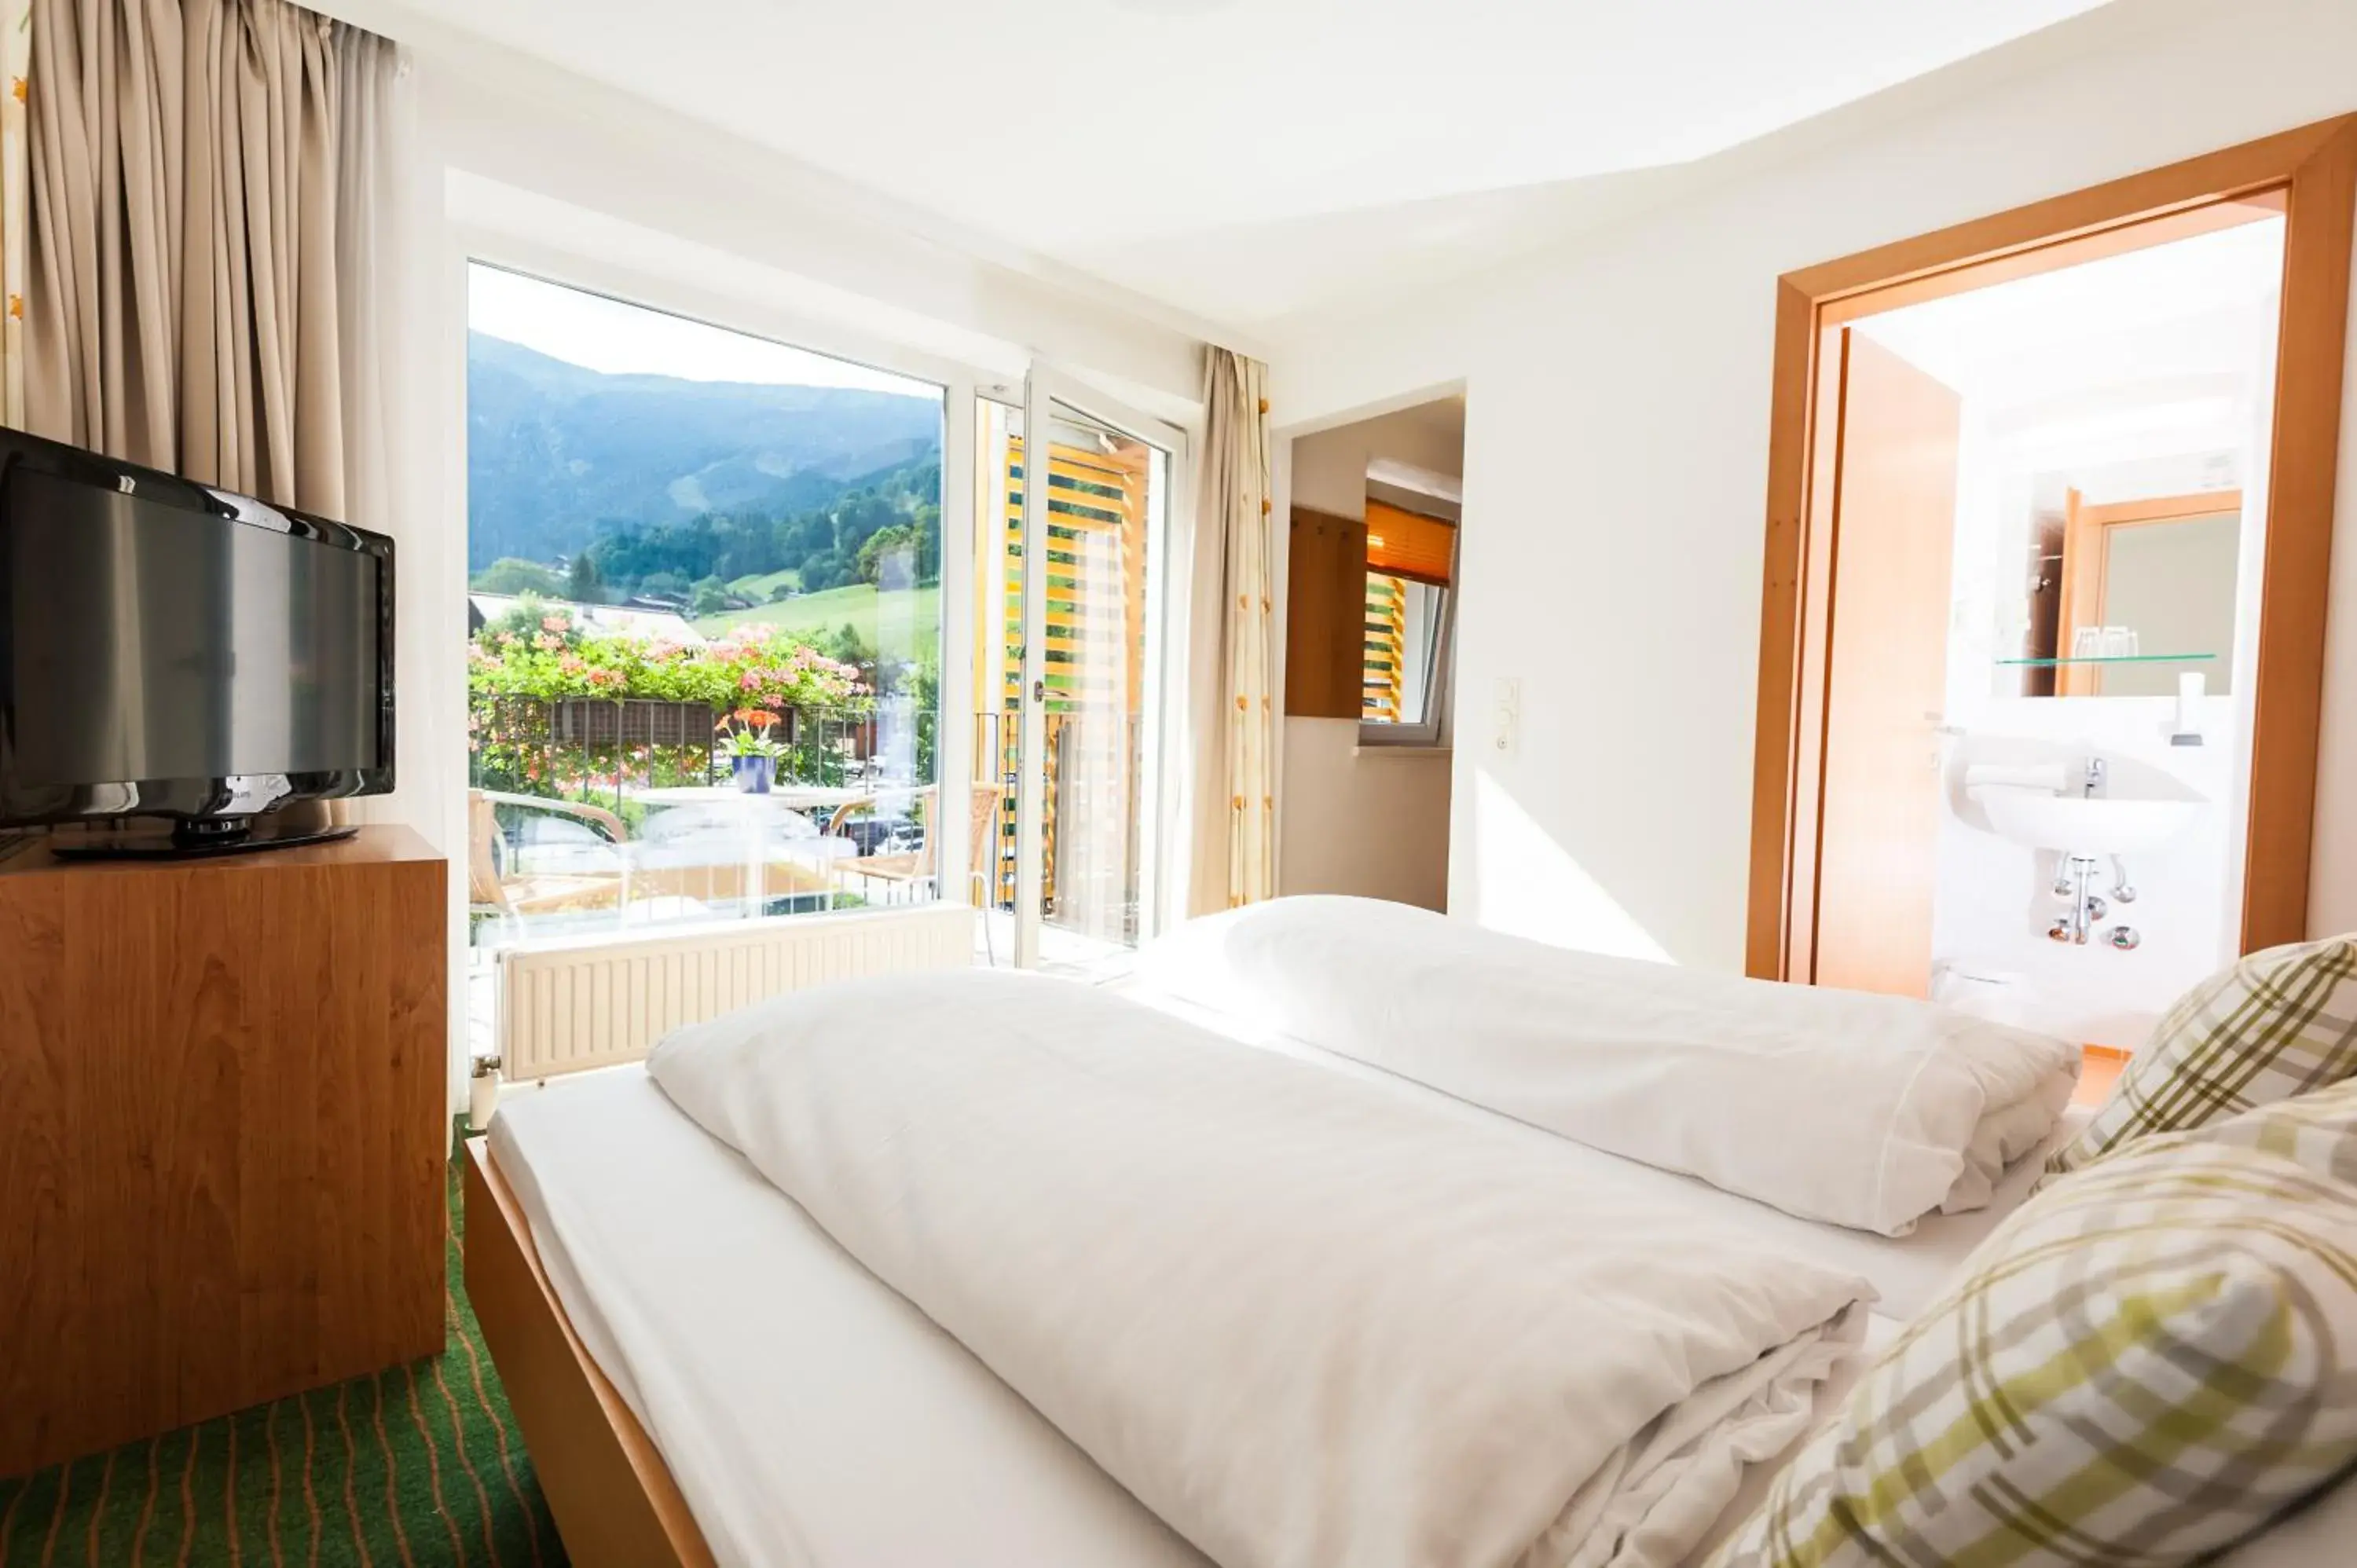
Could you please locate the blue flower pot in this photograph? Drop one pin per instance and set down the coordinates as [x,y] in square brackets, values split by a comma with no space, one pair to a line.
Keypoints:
[754,774]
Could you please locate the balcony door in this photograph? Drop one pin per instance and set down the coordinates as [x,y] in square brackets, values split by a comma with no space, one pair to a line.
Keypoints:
[1073,549]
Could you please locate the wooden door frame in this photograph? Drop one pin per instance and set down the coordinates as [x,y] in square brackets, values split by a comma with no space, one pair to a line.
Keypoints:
[2086,556]
[2310,174]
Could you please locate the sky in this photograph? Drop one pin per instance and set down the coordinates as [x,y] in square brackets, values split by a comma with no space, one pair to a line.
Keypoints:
[607,335]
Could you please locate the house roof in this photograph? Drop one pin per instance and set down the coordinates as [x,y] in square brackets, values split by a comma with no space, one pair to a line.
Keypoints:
[611,620]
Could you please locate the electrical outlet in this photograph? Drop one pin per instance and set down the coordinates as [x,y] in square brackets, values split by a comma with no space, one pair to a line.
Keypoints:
[1506,716]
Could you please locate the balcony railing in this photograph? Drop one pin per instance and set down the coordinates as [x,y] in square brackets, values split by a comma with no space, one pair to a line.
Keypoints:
[588,815]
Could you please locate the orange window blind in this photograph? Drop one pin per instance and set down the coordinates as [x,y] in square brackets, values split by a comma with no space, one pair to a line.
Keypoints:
[1409,544]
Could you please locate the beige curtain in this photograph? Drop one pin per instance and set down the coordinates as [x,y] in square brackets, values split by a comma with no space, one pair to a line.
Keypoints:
[1232,662]
[15,60]
[374,196]
[182,303]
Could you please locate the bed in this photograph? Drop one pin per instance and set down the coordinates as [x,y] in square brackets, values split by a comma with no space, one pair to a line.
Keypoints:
[670,1418]
[864,1435]
[609,1486]
[629,1270]
[1908,1271]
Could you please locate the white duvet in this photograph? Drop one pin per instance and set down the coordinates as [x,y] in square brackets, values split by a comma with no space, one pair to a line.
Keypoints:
[1865,1111]
[1305,1319]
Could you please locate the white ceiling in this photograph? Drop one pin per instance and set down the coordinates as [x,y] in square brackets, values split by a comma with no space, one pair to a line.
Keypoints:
[2193,308]
[2143,373]
[1242,159]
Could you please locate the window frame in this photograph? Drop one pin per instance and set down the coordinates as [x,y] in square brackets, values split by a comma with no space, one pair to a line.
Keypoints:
[565,265]
[1432,732]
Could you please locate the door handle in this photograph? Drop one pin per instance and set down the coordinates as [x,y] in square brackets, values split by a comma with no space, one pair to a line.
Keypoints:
[1039,691]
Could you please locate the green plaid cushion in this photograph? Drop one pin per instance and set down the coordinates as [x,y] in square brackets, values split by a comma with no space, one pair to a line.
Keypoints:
[2142,1366]
[2317,1131]
[2275,1024]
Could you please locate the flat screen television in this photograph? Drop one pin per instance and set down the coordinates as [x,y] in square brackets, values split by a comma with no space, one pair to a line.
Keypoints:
[174,652]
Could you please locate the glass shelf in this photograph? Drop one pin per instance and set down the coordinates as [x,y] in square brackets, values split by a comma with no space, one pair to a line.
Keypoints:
[2112,659]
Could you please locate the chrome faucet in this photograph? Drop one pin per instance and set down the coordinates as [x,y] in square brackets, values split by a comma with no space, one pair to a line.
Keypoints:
[2074,880]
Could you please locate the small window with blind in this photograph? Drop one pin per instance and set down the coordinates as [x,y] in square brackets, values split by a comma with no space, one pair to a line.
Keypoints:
[1411,563]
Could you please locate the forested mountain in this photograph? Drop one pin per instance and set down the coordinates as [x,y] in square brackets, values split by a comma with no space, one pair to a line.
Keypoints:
[714,563]
[559,456]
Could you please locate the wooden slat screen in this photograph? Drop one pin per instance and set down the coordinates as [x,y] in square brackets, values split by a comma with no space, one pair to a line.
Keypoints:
[1094,644]
[1096,542]
[1386,648]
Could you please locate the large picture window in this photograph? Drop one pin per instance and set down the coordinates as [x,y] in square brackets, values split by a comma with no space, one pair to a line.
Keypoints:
[704,630]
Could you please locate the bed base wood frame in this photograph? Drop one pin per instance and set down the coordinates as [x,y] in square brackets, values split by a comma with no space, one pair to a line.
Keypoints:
[615,1501]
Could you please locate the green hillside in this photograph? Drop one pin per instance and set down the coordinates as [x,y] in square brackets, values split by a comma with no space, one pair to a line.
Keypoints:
[560,457]
[759,585]
[880,626]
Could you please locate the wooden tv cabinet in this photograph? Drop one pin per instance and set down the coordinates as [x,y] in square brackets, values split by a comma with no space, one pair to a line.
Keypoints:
[223,1132]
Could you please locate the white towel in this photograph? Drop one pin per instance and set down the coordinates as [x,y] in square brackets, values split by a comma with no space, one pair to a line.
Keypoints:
[2047,776]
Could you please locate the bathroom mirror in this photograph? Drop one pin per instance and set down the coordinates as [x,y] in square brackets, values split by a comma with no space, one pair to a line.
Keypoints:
[2128,596]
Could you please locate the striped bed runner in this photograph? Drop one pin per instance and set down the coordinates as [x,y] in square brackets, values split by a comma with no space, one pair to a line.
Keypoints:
[416,1466]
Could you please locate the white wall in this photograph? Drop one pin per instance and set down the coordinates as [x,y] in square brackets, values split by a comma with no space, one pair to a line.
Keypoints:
[2148,374]
[837,251]
[1994,901]
[1371,821]
[1615,452]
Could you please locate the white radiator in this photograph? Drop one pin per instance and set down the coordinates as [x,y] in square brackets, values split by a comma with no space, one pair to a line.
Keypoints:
[569,1009]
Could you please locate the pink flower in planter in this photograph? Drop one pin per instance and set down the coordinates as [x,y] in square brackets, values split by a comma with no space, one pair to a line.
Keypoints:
[546,643]
[554,623]
[573,664]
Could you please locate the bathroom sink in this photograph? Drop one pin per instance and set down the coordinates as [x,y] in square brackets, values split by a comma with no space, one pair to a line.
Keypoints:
[2082,824]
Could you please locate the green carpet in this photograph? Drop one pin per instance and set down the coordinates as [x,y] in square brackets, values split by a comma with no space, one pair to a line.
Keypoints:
[417,1467]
